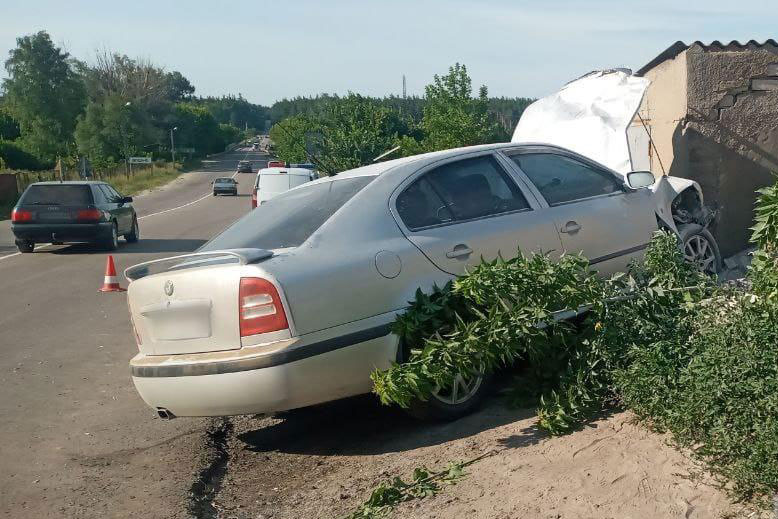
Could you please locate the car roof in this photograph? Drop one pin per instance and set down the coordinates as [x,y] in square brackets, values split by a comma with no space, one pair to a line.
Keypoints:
[419,161]
[68,183]
[286,171]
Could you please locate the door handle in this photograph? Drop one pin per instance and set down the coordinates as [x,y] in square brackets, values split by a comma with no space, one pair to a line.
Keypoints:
[571,227]
[459,251]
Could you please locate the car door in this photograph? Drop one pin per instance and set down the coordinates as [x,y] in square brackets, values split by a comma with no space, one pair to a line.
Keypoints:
[594,212]
[121,211]
[467,209]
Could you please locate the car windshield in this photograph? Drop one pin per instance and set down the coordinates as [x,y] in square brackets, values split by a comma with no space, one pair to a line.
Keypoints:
[57,194]
[290,218]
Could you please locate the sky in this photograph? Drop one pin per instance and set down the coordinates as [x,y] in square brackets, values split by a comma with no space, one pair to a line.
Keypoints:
[269,50]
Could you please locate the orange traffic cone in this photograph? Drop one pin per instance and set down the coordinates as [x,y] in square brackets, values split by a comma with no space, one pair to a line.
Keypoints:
[110,282]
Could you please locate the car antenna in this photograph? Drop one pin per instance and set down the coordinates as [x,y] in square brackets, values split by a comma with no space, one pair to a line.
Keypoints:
[386,154]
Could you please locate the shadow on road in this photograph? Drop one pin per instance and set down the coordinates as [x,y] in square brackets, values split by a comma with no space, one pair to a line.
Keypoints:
[143,246]
[360,426]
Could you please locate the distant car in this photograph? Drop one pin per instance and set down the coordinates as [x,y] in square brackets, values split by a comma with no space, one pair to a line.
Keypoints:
[244,166]
[272,182]
[293,304]
[60,212]
[225,186]
[276,164]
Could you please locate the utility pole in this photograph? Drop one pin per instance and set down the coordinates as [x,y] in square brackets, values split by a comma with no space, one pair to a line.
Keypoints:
[173,145]
[403,86]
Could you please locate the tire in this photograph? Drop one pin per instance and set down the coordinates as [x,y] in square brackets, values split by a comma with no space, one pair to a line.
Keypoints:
[439,406]
[24,246]
[134,235]
[111,242]
[699,247]
[214,193]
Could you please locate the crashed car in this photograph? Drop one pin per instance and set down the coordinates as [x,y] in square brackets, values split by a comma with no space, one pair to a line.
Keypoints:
[592,116]
[292,305]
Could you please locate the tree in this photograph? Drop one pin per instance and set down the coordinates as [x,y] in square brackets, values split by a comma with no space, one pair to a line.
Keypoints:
[9,128]
[452,117]
[198,129]
[111,131]
[355,130]
[44,94]
[289,138]
[178,87]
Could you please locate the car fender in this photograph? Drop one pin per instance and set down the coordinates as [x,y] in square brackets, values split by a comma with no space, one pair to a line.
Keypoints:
[667,189]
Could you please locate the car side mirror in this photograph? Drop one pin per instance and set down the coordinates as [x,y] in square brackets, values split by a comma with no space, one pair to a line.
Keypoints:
[126,199]
[638,179]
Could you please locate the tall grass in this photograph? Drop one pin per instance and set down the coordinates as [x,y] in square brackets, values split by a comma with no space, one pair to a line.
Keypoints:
[143,180]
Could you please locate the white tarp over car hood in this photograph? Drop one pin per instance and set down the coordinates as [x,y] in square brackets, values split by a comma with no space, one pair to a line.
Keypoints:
[589,116]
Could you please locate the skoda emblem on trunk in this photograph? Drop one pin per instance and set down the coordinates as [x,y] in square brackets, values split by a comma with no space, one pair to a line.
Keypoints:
[169,287]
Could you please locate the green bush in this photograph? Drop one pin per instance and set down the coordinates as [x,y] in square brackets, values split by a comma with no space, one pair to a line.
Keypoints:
[684,354]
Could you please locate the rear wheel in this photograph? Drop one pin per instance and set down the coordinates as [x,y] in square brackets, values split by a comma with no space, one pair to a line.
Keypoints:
[134,234]
[452,402]
[111,242]
[25,246]
[214,193]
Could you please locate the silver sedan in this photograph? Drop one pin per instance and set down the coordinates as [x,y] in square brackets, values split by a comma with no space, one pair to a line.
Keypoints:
[292,305]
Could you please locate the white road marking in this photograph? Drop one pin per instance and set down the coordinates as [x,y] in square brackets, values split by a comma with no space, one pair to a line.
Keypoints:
[42,246]
[187,204]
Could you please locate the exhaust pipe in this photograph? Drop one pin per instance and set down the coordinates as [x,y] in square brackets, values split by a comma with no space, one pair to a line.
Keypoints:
[165,414]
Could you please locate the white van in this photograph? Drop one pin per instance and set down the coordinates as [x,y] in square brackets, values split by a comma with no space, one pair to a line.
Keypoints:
[274,181]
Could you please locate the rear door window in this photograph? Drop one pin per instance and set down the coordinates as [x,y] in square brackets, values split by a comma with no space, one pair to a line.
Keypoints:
[562,179]
[420,206]
[288,219]
[57,194]
[461,190]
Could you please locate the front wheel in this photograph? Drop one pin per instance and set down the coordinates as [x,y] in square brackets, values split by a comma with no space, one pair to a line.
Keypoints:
[700,248]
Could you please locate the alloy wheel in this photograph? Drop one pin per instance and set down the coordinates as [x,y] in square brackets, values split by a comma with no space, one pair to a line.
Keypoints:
[462,389]
[699,252]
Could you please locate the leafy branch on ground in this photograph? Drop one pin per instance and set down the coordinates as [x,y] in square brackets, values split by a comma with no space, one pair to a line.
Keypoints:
[423,484]
[684,354]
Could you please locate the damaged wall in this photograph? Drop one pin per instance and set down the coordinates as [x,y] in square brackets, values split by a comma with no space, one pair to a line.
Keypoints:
[727,139]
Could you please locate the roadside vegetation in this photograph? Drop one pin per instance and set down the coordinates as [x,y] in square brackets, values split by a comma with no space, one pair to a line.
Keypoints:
[684,354]
[347,132]
[58,110]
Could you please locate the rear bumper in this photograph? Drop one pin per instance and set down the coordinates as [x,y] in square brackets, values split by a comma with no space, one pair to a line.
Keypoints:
[263,379]
[46,232]
[226,190]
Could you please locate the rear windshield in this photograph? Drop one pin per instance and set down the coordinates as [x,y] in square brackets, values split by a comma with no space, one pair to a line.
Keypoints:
[223,180]
[57,194]
[290,218]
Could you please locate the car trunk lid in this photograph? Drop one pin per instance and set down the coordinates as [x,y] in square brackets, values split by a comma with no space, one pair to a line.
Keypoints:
[191,304]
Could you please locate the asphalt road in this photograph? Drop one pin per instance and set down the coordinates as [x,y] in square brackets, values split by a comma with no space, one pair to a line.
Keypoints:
[75,438]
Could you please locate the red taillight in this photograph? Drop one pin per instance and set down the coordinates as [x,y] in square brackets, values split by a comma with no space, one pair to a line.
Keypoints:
[89,215]
[254,199]
[21,215]
[260,307]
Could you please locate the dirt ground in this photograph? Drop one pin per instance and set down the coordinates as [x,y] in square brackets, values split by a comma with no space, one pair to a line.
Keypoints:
[323,462]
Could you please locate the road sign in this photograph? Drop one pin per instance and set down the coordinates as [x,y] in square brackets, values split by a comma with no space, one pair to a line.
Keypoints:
[140,160]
